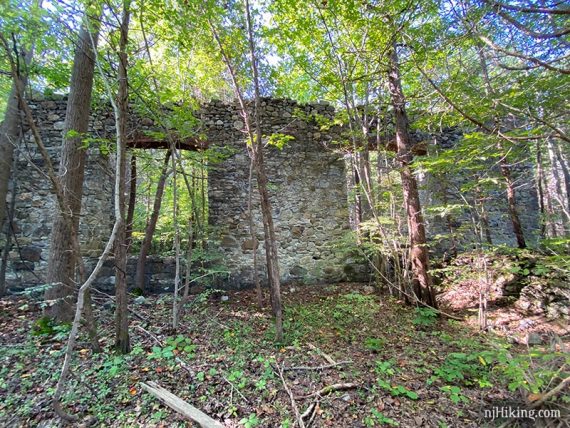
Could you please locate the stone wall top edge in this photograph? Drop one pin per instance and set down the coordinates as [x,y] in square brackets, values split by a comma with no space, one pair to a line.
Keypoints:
[214,102]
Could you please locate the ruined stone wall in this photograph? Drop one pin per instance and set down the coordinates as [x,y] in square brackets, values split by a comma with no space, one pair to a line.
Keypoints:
[35,205]
[307,191]
[436,192]
[307,188]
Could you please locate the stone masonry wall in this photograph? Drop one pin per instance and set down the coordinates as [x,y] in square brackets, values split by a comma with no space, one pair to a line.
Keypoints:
[35,205]
[307,188]
[433,193]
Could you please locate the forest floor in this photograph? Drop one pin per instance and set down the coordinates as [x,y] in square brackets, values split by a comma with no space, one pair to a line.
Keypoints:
[386,364]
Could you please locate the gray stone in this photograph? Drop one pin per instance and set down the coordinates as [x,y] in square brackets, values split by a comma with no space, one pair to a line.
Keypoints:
[31,253]
[140,300]
[59,125]
[534,339]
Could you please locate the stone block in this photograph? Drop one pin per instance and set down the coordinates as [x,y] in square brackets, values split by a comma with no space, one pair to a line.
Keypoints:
[31,253]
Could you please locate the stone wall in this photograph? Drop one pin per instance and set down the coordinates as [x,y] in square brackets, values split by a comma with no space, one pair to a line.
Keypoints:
[35,205]
[307,191]
[435,192]
[307,188]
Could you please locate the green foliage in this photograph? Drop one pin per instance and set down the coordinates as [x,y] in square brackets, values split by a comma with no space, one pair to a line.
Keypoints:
[462,368]
[238,378]
[397,390]
[279,140]
[174,345]
[425,317]
[46,326]
[374,344]
[455,394]
[113,366]
[378,418]
[251,421]
[385,368]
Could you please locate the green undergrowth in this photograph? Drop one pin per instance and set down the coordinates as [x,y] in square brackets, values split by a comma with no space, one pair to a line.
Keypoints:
[225,362]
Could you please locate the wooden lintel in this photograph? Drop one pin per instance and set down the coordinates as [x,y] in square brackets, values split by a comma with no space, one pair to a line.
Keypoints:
[151,143]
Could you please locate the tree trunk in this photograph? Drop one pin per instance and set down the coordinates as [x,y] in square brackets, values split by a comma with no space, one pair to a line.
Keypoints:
[255,139]
[140,282]
[132,200]
[483,216]
[10,132]
[419,257]
[503,163]
[511,198]
[540,190]
[266,211]
[61,267]
[9,233]
[253,236]
[122,344]
[565,174]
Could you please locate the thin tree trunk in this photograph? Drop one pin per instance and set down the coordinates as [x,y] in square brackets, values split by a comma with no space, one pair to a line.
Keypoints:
[503,162]
[132,200]
[253,236]
[419,257]
[10,133]
[559,184]
[448,220]
[61,267]
[511,199]
[175,303]
[565,173]
[540,190]
[9,233]
[262,181]
[255,139]
[121,311]
[483,216]
[140,281]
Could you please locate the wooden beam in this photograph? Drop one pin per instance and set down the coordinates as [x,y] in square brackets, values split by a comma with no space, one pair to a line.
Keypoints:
[176,403]
[151,143]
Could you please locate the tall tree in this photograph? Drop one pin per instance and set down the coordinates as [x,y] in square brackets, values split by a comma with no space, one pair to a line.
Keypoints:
[255,141]
[140,277]
[262,182]
[122,343]
[63,262]
[10,133]
[419,256]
